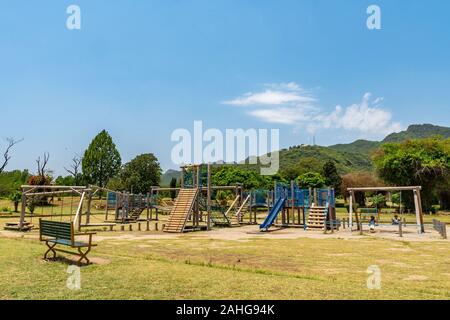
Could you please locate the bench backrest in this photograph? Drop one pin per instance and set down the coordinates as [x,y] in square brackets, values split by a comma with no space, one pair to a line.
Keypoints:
[55,229]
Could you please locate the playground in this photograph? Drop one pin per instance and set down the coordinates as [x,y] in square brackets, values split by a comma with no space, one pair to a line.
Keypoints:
[284,243]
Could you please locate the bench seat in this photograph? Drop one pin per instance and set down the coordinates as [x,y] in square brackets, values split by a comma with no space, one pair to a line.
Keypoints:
[75,244]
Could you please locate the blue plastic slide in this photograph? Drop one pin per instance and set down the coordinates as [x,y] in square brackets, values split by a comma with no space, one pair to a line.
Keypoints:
[273,214]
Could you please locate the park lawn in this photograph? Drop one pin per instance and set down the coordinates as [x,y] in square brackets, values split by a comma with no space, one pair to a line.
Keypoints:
[190,267]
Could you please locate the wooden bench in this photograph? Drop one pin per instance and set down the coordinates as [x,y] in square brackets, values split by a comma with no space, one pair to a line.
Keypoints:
[62,233]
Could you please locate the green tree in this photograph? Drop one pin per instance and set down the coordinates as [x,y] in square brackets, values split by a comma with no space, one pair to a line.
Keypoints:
[15,197]
[424,162]
[101,160]
[311,180]
[141,173]
[304,165]
[378,201]
[250,179]
[332,178]
[173,184]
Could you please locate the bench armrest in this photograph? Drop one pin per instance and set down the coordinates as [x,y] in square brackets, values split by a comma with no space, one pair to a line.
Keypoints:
[90,234]
[85,234]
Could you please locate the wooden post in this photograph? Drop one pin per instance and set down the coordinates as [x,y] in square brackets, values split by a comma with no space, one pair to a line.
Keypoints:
[293,203]
[156,226]
[122,228]
[400,229]
[422,226]
[139,226]
[130,227]
[418,210]
[148,226]
[208,198]
[106,205]
[360,227]
[22,211]
[88,211]
[350,211]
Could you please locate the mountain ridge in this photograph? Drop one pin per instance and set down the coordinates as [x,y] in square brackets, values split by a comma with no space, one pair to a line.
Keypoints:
[349,157]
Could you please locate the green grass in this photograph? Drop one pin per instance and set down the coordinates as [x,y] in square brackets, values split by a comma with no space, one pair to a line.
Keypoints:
[192,268]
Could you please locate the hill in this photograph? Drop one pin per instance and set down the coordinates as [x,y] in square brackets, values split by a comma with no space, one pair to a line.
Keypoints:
[418,131]
[359,146]
[168,175]
[355,156]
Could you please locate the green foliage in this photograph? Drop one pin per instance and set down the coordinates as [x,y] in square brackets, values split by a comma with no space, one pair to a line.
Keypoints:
[423,163]
[65,181]
[173,184]
[301,159]
[358,146]
[101,160]
[222,197]
[250,179]
[395,198]
[167,177]
[116,183]
[11,181]
[304,165]
[141,173]
[418,132]
[16,197]
[311,180]
[332,178]
[378,200]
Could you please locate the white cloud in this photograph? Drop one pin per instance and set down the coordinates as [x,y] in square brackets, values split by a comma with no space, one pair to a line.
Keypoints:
[281,115]
[366,117]
[289,104]
[274,94]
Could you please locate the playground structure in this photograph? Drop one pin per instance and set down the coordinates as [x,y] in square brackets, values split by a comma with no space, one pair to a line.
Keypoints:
[311,209]
[417,204]
[32,195]
[194,208]
[127,207]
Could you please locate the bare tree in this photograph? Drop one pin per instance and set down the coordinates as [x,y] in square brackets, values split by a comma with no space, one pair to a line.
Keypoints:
[6,156]
[41,166]
[74,169]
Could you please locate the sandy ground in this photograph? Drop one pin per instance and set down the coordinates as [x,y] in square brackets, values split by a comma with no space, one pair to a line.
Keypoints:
[252,232]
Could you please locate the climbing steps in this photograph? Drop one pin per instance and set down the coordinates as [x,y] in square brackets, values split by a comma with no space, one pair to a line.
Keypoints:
[316,218]
[233,217]
[181,210]
[242,210]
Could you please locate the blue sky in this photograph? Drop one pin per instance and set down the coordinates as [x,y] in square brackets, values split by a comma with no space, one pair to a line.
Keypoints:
[141,69]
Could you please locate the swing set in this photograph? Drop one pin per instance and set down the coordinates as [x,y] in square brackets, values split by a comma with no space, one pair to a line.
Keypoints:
[70,203]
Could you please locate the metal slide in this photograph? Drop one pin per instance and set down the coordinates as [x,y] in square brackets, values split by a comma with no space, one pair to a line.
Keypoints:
[273,214]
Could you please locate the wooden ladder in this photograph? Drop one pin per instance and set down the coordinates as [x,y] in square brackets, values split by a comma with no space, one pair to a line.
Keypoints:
[316,218]
[237,218]
[181,210]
